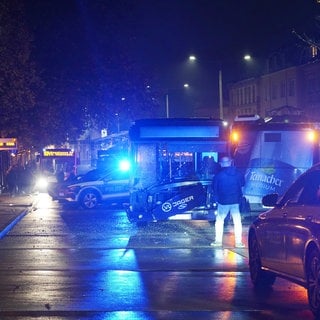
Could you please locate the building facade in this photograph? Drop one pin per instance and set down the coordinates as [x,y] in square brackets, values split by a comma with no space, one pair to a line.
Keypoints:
[294,88]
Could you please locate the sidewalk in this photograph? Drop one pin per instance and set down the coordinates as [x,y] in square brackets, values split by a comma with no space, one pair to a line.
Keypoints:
[12,210]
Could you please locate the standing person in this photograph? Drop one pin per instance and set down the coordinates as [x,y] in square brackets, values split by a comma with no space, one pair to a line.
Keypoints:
[227,188]
[12,179]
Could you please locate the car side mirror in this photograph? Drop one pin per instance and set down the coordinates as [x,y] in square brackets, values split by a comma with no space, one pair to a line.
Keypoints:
[270,200]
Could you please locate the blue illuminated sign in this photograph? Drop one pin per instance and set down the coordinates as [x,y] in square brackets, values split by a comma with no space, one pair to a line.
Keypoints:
[179,132]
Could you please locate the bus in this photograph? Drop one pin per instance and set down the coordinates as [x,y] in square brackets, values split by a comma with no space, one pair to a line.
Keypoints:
[173,163]
[54,160]
[272,153]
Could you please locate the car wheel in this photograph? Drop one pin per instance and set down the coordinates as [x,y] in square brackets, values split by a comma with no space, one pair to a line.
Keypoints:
[313,281]
[89,199]
[259,277]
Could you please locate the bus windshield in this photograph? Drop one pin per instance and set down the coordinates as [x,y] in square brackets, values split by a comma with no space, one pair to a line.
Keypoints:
[174,161]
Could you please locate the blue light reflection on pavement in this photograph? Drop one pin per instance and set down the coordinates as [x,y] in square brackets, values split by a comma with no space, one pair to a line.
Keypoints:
[124,286]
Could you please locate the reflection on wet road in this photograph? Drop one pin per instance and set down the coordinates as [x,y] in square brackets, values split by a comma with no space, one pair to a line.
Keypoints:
[77,264]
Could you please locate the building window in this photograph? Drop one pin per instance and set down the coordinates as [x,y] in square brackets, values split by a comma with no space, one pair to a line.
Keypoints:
[311,85]
[274,92]
[253,93]
[314,50]
[266,93]
[282,89]
[292,88]
[250,95]
[235,97]
[247,95]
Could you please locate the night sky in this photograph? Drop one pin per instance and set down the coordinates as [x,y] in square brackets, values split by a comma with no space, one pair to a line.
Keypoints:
[168,30]
[159,35]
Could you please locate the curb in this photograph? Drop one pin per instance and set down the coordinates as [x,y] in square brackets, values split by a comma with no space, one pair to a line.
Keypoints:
[5,231]
[21,206]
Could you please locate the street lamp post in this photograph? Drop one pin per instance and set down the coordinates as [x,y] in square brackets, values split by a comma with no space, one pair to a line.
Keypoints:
[167,105]
[220,95]
[118,121]
[193,58]
[186,85]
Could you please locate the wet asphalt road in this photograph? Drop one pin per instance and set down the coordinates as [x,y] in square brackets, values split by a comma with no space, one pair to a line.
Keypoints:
[59,263]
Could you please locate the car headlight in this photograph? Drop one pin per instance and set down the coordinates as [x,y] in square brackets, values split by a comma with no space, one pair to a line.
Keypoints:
[41,183]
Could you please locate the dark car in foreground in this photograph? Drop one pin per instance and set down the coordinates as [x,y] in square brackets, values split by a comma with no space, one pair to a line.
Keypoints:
[93,188]
[285,241]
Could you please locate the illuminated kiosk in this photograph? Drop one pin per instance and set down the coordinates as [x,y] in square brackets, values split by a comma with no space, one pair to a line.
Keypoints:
[173,163]
[8,144]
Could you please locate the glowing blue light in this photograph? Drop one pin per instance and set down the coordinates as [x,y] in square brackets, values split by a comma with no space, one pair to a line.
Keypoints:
[124,165]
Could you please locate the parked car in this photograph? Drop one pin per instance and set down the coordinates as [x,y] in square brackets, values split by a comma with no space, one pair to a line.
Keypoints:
[285,241]
[93,188]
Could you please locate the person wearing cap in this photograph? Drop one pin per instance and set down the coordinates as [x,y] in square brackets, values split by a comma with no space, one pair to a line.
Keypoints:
[227,188]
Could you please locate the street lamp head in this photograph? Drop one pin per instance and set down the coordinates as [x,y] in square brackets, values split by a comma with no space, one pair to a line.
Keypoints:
[192,58]
[247,57]
[186,85]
